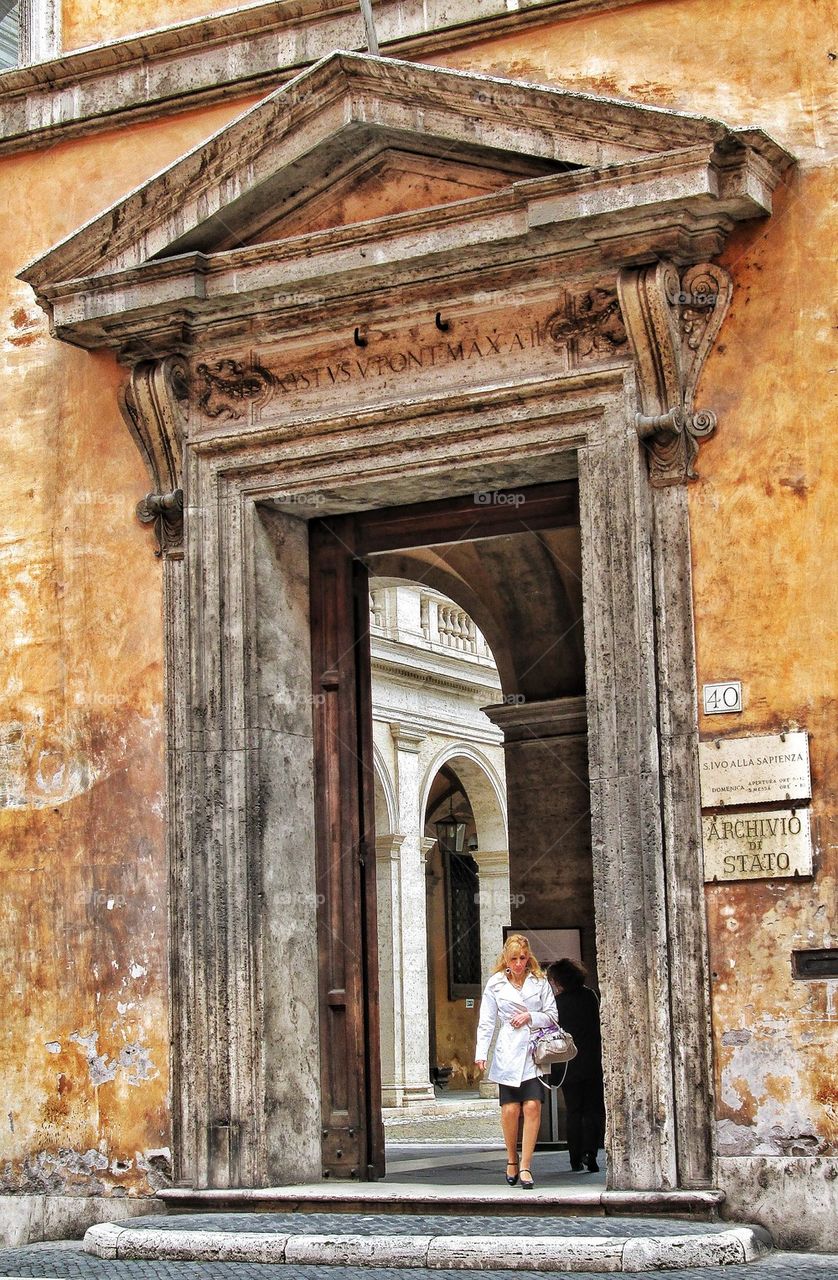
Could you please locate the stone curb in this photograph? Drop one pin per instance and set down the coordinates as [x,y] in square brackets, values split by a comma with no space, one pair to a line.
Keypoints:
[513,1253]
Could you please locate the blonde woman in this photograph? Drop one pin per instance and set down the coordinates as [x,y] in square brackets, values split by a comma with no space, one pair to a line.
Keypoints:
[519,997]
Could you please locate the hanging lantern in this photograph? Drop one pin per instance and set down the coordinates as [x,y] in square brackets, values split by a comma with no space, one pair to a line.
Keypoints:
[451,834]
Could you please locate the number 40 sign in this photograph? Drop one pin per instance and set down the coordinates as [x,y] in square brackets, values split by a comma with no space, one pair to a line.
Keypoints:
[723,697]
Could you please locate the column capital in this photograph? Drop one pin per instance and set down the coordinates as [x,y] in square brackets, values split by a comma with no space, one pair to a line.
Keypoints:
[494,863]
[388,847]
[406,738]
[426,844]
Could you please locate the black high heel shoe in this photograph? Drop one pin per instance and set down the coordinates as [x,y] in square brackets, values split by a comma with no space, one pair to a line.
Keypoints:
[526,1186]
[512,1164]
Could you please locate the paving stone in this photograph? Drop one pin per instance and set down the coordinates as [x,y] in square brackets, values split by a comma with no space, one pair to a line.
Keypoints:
[60,1261]
[359,1250]
[527,1253]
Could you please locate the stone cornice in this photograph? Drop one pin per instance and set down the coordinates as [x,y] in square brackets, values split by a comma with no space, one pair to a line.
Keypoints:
[679,205]
[446,673]
[533,721]
[247,50]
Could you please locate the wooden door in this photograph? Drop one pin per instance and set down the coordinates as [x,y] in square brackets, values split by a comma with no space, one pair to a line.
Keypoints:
[350,1071]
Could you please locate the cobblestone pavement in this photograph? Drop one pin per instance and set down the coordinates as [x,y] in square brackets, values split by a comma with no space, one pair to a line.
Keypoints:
[67,1261]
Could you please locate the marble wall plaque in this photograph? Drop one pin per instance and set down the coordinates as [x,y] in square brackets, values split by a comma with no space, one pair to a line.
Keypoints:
[766,845]
[754,770]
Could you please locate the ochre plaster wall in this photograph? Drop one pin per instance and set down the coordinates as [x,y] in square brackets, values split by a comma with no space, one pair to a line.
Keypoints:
[86,22]
[83,903]
[762,513]
[81,859]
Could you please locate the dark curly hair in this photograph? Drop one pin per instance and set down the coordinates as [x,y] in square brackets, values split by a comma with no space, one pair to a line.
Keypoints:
[567,973]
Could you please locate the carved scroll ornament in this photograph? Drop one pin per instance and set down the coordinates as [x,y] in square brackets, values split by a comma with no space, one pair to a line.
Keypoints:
[589,326]
[672,321]
[154,403]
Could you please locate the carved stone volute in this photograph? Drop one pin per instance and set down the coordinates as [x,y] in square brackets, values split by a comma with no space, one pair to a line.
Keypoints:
[672,321]
[154,403]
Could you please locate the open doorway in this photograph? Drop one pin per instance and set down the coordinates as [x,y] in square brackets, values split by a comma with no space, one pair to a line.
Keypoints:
[495,577]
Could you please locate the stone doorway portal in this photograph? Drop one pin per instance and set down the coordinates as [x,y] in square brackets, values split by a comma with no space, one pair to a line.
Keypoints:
[551,327]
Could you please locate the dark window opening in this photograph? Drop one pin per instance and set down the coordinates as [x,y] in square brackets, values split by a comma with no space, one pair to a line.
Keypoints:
[463,901]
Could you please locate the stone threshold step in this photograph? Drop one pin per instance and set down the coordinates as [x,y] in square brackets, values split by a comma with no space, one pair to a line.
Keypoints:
[692,1248]
[390,1197]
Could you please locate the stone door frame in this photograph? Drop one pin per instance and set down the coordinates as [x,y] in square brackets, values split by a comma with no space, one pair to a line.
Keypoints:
[227,321]
[237,627]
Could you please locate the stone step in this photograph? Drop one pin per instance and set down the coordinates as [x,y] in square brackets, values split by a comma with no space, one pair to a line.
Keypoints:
[417,1198]
[544,1243]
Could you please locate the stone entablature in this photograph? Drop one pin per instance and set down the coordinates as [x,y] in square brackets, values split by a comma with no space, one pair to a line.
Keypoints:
[273,335]
[247,50]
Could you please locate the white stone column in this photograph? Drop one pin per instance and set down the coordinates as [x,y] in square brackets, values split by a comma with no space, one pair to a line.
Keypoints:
[493,868]
[495,912]
[391,1011]
[410,921]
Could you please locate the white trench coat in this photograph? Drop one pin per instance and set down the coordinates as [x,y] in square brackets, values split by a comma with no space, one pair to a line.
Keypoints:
[512,1061]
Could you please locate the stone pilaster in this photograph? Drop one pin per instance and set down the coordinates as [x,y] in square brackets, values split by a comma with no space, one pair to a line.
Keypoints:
[411,1074]
[494,906]
[390,967]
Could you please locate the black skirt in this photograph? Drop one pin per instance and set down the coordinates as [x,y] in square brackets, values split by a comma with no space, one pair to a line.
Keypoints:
[527,1091]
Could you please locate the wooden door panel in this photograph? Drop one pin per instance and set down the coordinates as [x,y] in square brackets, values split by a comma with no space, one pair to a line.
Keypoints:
[350,1072]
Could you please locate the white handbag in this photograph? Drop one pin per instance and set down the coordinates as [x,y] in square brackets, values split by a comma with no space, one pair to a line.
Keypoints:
[551,1044]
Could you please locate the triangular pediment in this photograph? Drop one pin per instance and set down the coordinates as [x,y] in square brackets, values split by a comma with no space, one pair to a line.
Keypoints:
[419,160]
[384,182]
[339,113]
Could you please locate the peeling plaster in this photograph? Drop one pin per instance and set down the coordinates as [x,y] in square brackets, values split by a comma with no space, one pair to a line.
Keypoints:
[101,1070]
[760,1077]
[136,1064]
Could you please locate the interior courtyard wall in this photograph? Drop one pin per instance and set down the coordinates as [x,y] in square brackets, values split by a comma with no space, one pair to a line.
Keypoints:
[405,693]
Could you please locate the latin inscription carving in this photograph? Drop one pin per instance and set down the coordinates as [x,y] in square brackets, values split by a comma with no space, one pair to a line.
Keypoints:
[586,328]
[432,355]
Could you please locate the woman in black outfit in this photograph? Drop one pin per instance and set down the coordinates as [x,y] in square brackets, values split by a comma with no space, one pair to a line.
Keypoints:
[578,1009]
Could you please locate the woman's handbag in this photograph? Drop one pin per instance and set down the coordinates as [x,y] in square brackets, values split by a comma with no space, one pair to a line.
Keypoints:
[551,1044]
